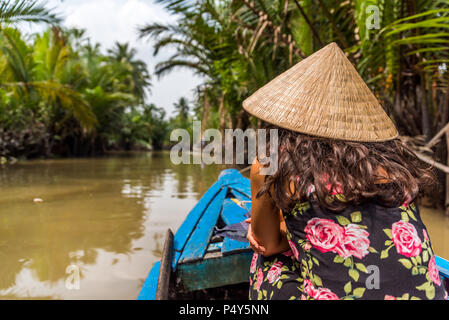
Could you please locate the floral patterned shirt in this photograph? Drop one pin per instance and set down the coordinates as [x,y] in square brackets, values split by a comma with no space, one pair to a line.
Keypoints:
[364,252]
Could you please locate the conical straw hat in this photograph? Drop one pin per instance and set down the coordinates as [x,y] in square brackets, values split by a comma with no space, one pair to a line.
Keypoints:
[323,95]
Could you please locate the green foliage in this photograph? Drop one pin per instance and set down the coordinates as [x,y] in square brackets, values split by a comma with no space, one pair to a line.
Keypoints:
[400,48]
[60,85]
[70,98]
[301,32]
[14,11]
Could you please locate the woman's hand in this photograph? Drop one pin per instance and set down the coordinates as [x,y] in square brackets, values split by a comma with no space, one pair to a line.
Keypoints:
[257,248]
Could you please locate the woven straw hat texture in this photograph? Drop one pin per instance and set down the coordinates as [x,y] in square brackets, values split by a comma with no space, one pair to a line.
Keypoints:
[323,95]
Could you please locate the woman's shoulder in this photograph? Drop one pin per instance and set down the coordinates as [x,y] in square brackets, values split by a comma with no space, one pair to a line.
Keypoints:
[256,177]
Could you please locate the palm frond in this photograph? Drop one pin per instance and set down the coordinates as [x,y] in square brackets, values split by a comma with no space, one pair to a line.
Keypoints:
[14,11]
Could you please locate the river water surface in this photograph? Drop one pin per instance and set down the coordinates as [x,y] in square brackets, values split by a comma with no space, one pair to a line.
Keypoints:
[106,218]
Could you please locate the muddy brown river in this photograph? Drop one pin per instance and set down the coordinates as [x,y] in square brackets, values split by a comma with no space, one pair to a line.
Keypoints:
[100,222]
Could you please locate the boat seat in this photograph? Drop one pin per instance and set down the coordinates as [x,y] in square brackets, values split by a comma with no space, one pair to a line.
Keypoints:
[231,246]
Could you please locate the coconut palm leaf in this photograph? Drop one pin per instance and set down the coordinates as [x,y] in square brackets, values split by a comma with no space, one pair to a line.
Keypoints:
[55,93]
[14,11]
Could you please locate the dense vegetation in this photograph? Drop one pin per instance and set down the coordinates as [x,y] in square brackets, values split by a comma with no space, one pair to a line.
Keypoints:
[60,95]
[240,45]
[400,47]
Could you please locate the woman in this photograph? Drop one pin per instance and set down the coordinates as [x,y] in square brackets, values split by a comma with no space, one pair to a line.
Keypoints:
[337,220]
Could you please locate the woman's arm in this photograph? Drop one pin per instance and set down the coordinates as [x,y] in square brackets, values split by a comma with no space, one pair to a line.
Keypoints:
[266,226]
[260,249]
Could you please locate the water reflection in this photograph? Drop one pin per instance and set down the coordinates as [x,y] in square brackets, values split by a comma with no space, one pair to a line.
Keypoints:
[106,215]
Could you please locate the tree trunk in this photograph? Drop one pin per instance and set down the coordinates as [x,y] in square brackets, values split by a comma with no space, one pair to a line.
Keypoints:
[243,120]
[222,116]
[445,113]
[422,102]
[206,109]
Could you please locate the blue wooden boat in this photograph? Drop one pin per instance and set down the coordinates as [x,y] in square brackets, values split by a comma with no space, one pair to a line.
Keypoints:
[198,265]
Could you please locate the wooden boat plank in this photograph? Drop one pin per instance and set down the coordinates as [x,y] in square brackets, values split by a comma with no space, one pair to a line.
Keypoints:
[165,268]
[216,246]
[242,197]
[148,291]
[185,230]
[199,240]
[215,272]
[232,213]
[239,194]
[231,246]
[243,188]
[231,176]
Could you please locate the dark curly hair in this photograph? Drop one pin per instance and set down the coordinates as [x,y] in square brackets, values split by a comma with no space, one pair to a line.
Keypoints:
[353,168]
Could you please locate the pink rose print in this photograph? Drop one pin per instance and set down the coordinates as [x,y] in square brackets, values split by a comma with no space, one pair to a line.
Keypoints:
[307,246]
[250,281]
[288,253]
[426,236]
[253,263]
[328,236]
[310,190]
[259,279]
[337,190]
[303,297]
[309,288]
[355,242]
[405,239]
[275,272]
[320,293]
[433,271]
[387,297]
[294,250]
[325,294]
[324,234]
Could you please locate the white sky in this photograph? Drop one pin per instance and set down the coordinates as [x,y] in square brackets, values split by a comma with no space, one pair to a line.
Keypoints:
[108,21]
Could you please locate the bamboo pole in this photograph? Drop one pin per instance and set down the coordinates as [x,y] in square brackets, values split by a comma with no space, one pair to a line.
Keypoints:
[165,271]
[433,162]
[436,138]
[245,169]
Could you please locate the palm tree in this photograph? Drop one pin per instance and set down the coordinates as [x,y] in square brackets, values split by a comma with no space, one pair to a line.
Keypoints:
[203,43]
[36,74]
[15,11]
[75,96]
[139,77]
[182,111]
